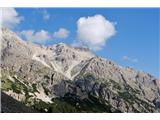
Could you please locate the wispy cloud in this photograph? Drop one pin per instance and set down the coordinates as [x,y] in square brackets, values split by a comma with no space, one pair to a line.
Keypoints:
[42,36]
[10,18]
[61,33]
[38,37]
[126,58]
[45,14]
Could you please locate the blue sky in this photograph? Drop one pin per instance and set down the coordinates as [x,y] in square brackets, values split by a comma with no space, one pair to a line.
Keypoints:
[135,42]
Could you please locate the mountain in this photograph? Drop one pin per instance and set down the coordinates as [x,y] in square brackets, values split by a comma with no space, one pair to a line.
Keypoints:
[62,78]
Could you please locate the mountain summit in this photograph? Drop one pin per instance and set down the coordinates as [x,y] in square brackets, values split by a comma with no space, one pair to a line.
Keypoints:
[62,78]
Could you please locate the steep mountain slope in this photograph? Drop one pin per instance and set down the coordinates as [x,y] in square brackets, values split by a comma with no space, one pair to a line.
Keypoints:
[10,105]
[62,78]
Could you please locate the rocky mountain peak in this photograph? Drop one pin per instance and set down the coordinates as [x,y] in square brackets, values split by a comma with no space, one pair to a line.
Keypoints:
[64,71]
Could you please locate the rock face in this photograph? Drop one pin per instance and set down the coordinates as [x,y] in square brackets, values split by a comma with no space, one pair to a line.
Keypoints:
[32,72]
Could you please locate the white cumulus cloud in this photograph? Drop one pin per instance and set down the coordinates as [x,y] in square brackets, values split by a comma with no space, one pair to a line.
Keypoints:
[9,18]
[31,35]
[42,36]
[61,33]
[94,31]
[126,58]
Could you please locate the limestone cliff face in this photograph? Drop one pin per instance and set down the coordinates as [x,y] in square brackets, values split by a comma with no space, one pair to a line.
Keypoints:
[40,72]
